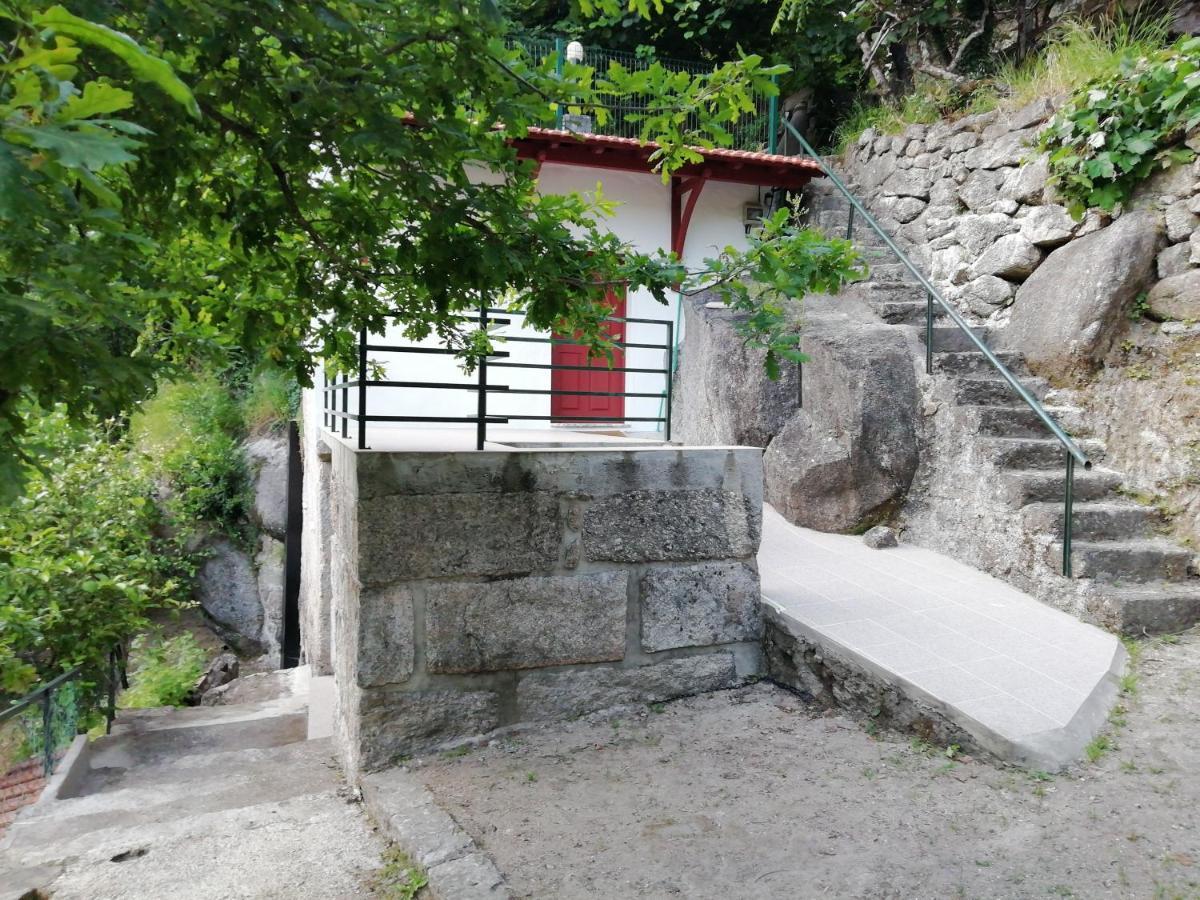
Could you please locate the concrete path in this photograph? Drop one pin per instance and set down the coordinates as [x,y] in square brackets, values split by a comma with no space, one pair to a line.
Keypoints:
[1029,683]
[228,801]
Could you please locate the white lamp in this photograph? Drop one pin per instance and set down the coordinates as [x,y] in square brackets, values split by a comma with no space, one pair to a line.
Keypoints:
[574,52]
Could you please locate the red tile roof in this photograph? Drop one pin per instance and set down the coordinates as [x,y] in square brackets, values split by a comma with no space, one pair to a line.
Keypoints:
[630,154]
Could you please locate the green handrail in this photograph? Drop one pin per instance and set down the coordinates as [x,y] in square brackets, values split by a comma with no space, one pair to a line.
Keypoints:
[1073,453]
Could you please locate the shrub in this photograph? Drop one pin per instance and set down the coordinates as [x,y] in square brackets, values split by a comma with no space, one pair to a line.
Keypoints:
[1117,130]
[272,399]
[163,671]
[83,556]
[193,430]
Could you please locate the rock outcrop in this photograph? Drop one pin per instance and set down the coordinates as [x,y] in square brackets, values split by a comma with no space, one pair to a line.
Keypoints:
[1065,316]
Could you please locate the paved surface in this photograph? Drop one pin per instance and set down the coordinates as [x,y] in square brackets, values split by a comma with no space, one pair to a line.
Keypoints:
[227,801]
[1031,683]
[752,794]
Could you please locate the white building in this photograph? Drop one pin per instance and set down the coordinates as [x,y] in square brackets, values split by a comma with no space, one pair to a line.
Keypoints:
[704,208]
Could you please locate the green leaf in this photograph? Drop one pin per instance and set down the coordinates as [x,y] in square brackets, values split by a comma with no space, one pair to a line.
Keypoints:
[144,66]
[97,99]
[76,149]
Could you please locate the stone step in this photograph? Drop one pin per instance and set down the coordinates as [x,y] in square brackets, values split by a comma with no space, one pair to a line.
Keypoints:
[1104,520]
[892,273]
[1010,421]
[1035,452]
[1135,560]
[975,363]
[902,312]
[1033,485]
[995,391]
[1155,607]
[952,339]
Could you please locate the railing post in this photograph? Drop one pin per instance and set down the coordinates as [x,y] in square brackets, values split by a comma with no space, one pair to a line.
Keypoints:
[928,332]
[325,395]
[362,389]
[111,711]
[345,403]
[773,118]
[481,371]
[1068,513]
[47,738]
[670,378]
[850,223]
[559,60]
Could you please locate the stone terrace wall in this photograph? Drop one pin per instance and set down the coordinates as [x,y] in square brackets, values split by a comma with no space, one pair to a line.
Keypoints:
[477,590]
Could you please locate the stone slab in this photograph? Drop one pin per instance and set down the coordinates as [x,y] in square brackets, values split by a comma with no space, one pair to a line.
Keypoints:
[396,724]
[385,635]
[657,525]
[563,695]
[1030,684]
[525,623]
[702,605]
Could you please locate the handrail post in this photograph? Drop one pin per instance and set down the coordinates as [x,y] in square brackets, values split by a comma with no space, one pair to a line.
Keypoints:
[850,224]
[773,118]
[345,404]
[111,711]
[362,389]
[1068,513]
[481,371]
[559,60]
[47,739]
[928,332]
[670,379]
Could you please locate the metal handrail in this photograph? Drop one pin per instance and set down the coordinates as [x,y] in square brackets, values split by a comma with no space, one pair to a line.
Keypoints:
[1073,452]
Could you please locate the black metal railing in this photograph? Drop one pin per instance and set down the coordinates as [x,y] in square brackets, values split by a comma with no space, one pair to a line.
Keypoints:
[45,736]
[932,294]
[337,418]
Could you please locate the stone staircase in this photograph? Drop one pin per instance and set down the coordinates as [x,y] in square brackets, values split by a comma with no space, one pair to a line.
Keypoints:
[224,801]
[1137,580]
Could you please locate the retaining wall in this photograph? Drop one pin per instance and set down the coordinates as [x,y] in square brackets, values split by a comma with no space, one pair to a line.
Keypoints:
[481,589]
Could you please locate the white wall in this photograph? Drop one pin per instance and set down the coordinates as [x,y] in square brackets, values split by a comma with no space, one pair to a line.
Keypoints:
[643,219]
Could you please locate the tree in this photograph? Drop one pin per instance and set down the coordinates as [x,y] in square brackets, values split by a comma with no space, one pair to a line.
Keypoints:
[323,186]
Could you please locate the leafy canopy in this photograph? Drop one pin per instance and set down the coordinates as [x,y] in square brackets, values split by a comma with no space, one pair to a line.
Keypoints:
[269,177]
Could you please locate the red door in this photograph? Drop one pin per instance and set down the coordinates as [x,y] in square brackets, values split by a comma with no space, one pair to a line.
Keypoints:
[593,375]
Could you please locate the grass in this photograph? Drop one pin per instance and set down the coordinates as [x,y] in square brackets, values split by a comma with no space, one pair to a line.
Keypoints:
[1075,54]
[271,401]
[1099,745]
[399,878]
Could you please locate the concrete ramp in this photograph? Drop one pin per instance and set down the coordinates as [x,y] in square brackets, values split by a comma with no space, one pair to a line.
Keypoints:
[913,634]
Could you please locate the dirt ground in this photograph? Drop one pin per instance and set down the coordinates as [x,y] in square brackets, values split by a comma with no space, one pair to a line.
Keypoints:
[752,794]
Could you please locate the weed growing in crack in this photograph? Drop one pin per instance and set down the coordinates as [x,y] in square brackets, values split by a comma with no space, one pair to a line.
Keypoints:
[399,878]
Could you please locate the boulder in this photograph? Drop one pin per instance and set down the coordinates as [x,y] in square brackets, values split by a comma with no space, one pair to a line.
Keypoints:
[227,590]
[845,461]
[1066,314]
[711,407]
[1013,257]
[1009,150]
[1176,298]
[1031,114]
[978,192]
[907,183]
[267,457]
[1047,226]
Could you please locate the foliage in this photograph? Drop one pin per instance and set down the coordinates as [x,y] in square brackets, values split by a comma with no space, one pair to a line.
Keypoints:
[163,672]
[82,556]
[271,400]
[399,878]
[69,311]
[783,261]
[193,430]
[325,187]
[1117,130]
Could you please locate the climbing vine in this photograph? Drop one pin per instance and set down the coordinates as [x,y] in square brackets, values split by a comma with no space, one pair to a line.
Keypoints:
[1116,131]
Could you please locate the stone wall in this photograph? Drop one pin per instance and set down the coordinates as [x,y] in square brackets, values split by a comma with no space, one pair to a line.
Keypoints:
[476,590]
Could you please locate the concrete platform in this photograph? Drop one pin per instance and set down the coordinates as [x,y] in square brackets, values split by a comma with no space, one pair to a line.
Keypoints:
[1028,683]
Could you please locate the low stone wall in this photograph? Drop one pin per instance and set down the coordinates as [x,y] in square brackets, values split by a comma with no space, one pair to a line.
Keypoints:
[476,590]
